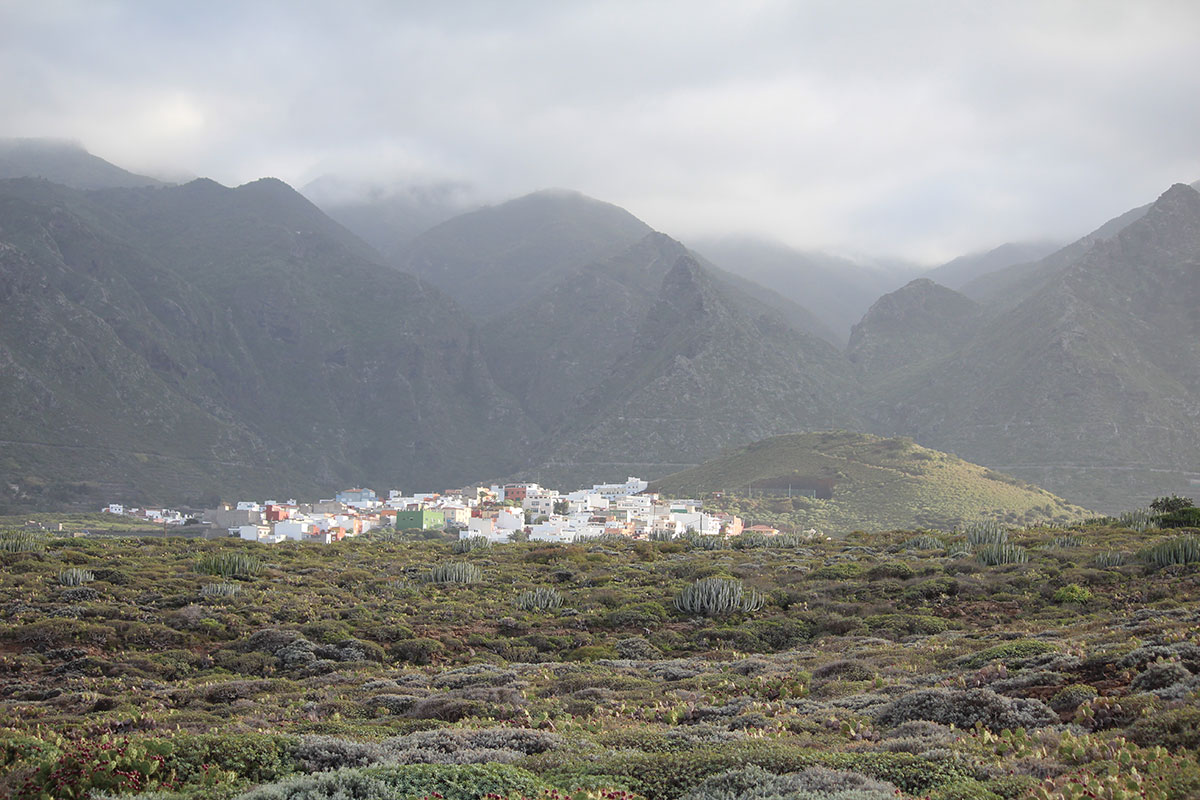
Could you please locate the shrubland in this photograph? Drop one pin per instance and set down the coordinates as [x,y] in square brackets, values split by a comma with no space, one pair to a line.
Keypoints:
[404,667]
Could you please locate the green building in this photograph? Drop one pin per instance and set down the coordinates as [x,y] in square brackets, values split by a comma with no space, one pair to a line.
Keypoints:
[406,520]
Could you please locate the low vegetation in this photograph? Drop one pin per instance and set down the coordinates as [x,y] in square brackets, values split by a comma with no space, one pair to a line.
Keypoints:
[867,666]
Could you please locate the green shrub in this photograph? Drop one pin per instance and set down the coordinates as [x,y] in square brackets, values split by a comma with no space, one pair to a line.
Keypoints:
[898,625]
[1174,729]
[101,764]
[932,589]
[965,789]
[590,652]
[460,572]
[1073,593]
[844,571]
[756,783]
[1183,518]
[447,781]
[1169,505]
[667,775]
[1072,697]
[639,615]
[1108,558]
[416,651]
[254,757]
[1009,651]
[967,708]
[714,597]
[893,569]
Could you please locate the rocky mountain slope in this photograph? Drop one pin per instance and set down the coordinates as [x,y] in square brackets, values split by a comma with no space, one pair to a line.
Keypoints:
[1089,387]
[493,259]
[66,163]
[919,321]
[707,368]
[172,342]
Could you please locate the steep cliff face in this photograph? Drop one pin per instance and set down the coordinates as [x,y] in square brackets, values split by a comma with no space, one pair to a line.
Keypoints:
[706,369]
[172,342]
[1089,387]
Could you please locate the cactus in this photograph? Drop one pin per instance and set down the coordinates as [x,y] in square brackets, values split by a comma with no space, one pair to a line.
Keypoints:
[1180,550]
[455,572]
[1064,543]
[924,542]
[1140,520]
[1109,558]
[220,589]
[985,532]
[229,565]
[539,599]
[713,597]
[1001,553]
[469,544]
[74,576]
[22,542]
[703,541]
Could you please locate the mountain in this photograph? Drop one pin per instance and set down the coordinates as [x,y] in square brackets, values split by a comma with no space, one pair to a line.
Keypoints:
[64,162]
[838,481]
[388,217]
[560,344]
[491,260]
[919,321]
[707,368]
[168,343]
[1005,288]
[961,271]
[1090,385]
[836,289]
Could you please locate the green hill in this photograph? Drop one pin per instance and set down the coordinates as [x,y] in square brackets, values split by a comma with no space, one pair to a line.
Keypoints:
[839,481]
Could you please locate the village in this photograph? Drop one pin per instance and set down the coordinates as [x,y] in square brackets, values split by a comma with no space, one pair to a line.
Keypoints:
[497,513]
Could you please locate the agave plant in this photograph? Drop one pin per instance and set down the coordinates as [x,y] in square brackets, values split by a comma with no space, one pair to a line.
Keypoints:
[74,576]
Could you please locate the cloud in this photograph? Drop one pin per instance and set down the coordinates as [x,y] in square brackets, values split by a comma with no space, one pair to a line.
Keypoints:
[921,128]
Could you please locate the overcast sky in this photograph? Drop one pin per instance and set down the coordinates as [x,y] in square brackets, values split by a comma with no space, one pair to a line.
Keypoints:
[922,129]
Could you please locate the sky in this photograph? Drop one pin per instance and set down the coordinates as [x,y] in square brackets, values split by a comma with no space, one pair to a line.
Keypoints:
[914,129]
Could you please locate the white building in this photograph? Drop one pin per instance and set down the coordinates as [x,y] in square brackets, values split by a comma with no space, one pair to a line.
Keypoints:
[485,527]
[611,491]
[295,529]
[254,533]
